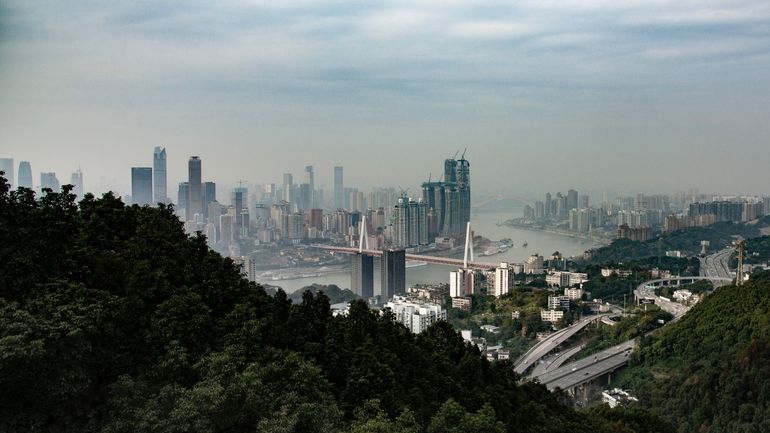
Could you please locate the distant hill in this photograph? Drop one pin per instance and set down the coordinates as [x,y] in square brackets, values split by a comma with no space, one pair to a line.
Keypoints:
[332,291]
[688,240]
[710,372]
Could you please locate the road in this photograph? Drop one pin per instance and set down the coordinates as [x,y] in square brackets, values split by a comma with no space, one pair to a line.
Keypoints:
[717,265]
[552,363]
[588,369]
[552,342]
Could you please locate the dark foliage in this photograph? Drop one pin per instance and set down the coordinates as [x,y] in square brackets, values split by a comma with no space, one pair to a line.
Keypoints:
[113,320]
[709,372]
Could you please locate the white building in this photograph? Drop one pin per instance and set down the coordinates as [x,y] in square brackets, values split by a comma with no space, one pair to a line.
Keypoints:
[574,294]
[533,264]
[682,295]
[616,397]
[551,315]
[462,283]
[502,280]
[415,316]
[566,279]
[558,303]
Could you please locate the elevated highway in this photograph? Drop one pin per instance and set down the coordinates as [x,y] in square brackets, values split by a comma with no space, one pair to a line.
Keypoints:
[553,341]
[572,375]
[646,290]
[546,365]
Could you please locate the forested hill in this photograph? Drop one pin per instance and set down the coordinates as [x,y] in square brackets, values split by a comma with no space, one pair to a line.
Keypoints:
[113,320]
[710,372]
[687,240]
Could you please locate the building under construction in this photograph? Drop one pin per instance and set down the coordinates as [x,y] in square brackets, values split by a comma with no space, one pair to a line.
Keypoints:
[449,199]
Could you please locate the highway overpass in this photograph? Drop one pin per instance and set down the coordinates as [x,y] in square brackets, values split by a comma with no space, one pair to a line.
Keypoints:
[553,341]
[572,375]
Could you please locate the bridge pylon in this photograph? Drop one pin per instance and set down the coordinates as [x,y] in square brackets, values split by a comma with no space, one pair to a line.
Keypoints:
[468,245]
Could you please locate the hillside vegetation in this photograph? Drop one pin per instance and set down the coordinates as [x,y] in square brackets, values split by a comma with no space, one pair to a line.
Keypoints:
[113,320]
[710,372]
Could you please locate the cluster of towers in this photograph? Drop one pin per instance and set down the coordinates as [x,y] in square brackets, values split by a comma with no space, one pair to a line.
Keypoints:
[449,200]
[48,180]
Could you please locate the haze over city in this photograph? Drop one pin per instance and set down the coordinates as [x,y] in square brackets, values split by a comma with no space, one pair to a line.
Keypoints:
[641,96]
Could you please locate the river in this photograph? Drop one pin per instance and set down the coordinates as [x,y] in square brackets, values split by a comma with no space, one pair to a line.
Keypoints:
[484,224]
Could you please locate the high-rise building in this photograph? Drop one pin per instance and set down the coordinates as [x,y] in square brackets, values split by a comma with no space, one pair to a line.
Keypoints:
[572,200]
[209,196]
[450,200]
[25,174]
[195,191]
[362,275]
[241,202]
[159,188]
[548,205]
[462,283]
[141,185]
[183,193]
[226,229]
[288,188]
[76,180]
[410,223]
[49,180]
[502,280]
[6,166]
[310,180]
[393,274]
[339,189]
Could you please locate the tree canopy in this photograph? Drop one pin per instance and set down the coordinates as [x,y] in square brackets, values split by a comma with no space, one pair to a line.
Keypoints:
[112,319]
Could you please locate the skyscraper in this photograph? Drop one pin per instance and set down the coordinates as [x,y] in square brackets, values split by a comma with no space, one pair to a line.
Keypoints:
[159,189]
[195,192]
[410,223]
[310,180]
[239,200]
[450,200]
[209,196]
[49,180]
[362,275]
[393,274]
[288,188]
[6,166]
[76,180]
[25,174]
[572,200]
[141,185]
[339,189]
[305,197]
[181,197]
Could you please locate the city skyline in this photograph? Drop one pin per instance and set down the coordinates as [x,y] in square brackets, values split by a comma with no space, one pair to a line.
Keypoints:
[543,94]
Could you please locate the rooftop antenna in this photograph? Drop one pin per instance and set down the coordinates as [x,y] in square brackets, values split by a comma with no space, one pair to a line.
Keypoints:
[455,157]
[240,183]
[463,156]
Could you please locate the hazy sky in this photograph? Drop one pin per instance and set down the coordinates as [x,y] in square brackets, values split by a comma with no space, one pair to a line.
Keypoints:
[545,94]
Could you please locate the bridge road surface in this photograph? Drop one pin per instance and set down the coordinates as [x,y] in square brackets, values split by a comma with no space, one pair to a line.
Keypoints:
[588,369]
[717,265]
[552,342]
[556,362]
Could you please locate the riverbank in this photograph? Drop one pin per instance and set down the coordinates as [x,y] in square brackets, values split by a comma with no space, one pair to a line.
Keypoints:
[600,239]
